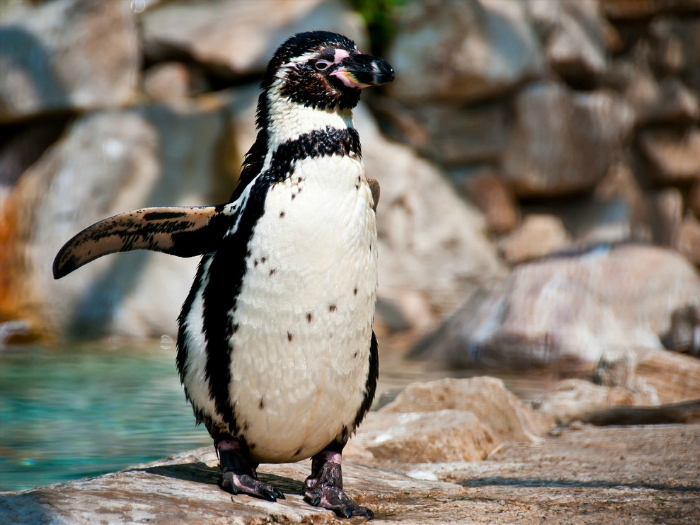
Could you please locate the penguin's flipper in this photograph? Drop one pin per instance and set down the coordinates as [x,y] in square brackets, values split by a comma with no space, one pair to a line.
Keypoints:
[374,188]
[184,231]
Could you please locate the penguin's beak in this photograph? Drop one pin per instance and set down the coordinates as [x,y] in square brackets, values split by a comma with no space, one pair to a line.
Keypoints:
[361,71]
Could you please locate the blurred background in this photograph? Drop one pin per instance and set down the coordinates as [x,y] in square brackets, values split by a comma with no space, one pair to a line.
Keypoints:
[539,221]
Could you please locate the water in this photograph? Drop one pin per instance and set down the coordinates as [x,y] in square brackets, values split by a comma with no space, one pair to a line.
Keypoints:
[72,413]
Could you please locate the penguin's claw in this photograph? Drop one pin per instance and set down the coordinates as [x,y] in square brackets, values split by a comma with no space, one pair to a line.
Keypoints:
[333,498]
[245,484]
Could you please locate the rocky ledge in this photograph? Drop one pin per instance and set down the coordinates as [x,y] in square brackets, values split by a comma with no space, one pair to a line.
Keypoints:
[588,474]
[452,450]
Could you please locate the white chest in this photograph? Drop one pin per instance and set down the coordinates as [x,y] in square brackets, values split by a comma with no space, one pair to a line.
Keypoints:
[300,355]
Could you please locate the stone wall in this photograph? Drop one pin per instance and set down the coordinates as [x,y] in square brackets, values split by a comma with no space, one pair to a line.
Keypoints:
[521,150]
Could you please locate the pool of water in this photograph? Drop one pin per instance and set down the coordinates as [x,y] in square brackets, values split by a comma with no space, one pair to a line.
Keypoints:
[72,413]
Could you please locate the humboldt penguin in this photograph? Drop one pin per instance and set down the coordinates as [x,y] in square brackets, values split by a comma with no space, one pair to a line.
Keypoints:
[275,345]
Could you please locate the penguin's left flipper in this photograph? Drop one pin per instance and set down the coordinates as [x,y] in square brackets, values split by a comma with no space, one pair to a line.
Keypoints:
[184,231]
[374,188]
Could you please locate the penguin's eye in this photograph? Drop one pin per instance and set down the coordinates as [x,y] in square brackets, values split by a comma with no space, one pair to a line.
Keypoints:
[322,65]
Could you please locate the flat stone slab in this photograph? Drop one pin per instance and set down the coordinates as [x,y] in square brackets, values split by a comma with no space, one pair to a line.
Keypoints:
[593,475]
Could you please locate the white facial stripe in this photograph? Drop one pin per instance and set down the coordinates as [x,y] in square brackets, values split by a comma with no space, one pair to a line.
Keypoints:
[340,54]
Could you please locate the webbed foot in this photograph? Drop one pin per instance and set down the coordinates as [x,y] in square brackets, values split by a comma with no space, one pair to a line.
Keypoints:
[324,488]
[238,475]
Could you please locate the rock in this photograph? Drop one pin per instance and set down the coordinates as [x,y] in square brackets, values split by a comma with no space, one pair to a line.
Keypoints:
[636,9]
[67,55]
[495,199]
[688,239]
[239,38]
[574,35]
[419,437]
[668,216]
[563,142]
[538,236]
[109,162]
[458,136]
[659,375]
[183,489]
[684,332]
[173,80]
[620,190]
[693,199]
[672,156]
[505,417]
[598,475]
[688,32]
[568,310]
[666,102]
[574,399]
[463,51]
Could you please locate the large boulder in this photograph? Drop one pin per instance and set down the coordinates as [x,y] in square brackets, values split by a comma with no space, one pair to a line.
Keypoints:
[67,55]
[463,50]
[108,162]
[239,38]
[564,142]
[569,310]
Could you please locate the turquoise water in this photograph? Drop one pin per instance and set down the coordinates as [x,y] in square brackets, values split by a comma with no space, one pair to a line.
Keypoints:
[72,413]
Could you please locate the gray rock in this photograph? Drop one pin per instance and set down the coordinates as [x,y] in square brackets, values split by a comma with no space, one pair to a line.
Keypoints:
[463,50]
[109,162]
[67,55]
[455,136]
[564,142]
[239,38]
[569,311]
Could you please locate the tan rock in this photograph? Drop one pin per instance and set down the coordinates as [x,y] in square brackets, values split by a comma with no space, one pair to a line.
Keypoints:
[463,51]
[538,235]
[672,156]
[563,142]
[659,375]
[238,38]
[688,240]
[574,399]
[419,437]
[67,55]
[499,410]
[495,199]
[172,80]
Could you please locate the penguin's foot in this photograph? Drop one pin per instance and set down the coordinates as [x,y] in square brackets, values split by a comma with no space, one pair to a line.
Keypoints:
[238,475]
[324,487]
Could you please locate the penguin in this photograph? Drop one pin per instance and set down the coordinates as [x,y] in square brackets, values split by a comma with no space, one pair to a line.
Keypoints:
[275,346]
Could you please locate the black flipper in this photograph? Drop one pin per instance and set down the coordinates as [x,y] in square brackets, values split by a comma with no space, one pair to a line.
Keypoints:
[183,231]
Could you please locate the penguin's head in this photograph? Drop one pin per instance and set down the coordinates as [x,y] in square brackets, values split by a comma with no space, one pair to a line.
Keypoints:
[324,70]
